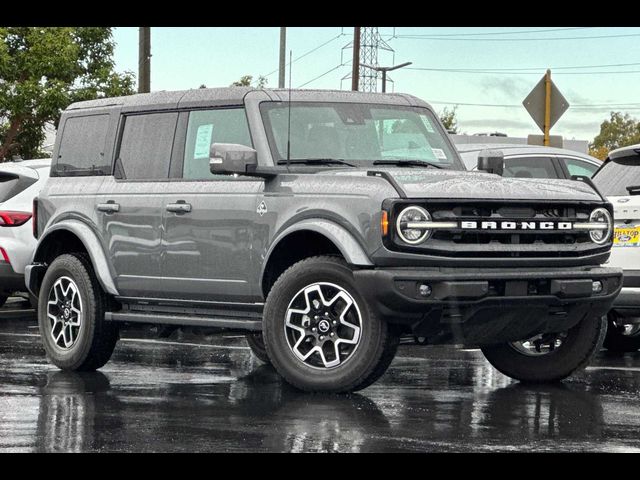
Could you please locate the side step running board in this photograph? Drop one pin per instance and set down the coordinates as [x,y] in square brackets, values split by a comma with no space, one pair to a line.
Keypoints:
[192,321]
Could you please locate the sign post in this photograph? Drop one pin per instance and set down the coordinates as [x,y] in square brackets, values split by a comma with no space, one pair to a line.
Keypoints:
[546,105]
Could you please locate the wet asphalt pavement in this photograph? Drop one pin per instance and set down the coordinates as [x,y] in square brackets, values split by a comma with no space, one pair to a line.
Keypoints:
[188,394]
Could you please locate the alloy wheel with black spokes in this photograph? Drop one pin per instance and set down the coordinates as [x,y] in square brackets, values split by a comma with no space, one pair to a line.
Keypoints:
[71,308]
[64,310]
[542,344]
[320,334]
[323,325]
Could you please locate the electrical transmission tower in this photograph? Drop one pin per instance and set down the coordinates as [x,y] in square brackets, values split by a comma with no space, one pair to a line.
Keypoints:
[371,43]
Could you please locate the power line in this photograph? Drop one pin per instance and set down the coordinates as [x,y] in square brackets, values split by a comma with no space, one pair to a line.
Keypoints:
[341,34]
[515,32]
[525,68]
[432,37]
[597,106]
[325,73]
[516,72]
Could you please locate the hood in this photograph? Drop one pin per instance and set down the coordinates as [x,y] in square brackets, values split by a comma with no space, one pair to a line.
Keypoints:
[427,183]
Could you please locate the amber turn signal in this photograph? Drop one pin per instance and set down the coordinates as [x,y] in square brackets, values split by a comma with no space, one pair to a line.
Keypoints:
[384,223]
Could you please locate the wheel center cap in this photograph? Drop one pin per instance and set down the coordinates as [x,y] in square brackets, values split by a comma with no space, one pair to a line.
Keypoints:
[66,313]
[324,326]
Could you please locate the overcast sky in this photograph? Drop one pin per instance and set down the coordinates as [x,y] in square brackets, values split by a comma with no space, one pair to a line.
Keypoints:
[501,65]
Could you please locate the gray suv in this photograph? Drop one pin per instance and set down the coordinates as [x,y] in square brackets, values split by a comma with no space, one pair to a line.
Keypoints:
[326,224]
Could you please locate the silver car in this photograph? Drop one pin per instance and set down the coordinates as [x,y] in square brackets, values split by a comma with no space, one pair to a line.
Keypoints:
[532,161]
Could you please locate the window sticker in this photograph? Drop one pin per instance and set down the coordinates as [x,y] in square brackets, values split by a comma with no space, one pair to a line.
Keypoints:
[439,153]
[427,123]
[203,141]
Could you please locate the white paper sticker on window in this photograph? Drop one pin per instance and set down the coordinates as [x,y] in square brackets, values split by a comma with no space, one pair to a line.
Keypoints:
[203,141]
[427,123]
[439,153]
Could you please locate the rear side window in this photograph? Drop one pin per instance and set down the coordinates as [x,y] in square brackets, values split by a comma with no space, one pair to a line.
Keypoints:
[529,167]
[578,167]
[145,148]
[207,127]
[616,175]
[12,184]
[82,147]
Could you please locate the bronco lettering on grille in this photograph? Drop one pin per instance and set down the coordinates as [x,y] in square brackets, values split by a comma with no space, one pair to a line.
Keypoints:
[515,225]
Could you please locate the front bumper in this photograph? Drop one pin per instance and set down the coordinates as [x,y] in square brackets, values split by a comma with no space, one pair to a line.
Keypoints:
[488,305]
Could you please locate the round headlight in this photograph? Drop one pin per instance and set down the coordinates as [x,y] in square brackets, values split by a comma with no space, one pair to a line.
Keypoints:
[413,235]
[601,215]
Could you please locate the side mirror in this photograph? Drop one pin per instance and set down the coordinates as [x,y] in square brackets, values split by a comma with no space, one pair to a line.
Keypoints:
[226,158]
[491,161]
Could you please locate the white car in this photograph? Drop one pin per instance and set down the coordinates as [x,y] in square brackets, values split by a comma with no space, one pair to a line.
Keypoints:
[619,180]
[20,182]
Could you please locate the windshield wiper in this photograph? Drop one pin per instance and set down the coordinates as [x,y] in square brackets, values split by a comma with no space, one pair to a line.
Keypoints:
[316,161]
[407,163]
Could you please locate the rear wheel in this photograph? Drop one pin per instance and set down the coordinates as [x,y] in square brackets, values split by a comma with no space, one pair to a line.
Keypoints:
[549,357]
[71,310]
[256,344]
[320,334]
[622,334]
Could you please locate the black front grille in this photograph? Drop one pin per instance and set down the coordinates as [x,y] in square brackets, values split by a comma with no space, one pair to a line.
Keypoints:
[460,242]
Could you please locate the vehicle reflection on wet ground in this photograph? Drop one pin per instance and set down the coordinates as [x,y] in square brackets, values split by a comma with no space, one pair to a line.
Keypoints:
[190,394]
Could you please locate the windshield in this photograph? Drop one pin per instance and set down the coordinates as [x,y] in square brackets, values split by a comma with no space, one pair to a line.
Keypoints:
[356,132]
[616,175]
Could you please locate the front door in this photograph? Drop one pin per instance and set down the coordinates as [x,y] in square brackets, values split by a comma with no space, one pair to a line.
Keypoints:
[210,220]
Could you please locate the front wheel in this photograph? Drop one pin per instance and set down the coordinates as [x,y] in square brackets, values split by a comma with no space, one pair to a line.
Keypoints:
[71,308]
[549,357]
[320,334]
[622,334]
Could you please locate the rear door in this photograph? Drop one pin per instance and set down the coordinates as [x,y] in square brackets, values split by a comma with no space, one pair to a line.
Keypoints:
[209,220]
[130,202]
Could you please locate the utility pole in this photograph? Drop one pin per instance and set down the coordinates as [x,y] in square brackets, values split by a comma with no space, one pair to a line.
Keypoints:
[547,107]
[355,75]
[384,71]
[144,60]
[283,51]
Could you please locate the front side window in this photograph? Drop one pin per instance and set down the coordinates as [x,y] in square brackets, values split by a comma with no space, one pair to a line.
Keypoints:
[145,148]
[207,127]
[82,147]
[618,174]
[357,132]
[529,167]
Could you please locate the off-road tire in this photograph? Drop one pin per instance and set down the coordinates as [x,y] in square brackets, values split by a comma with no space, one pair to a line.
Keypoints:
[256,344]
[3,300]
[97,338]
[582,343]
[368,362]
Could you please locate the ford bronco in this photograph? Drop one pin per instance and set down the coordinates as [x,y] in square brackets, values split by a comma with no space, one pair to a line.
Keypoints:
[325,224]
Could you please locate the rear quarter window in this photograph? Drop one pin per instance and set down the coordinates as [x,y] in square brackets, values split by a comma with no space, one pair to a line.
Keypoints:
[12,184]
[82,147]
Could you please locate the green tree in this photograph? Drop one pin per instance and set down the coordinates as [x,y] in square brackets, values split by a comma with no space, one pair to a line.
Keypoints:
[449,119]
[42,71]
[247,80]
[618,131]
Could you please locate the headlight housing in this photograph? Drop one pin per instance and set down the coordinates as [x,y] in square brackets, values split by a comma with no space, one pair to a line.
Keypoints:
[601,234]
[413,235]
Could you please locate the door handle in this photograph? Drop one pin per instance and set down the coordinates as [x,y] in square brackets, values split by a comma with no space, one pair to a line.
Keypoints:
[109,207]
[179,207]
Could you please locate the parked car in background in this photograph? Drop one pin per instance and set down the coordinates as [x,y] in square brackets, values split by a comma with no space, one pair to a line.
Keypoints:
[532,161]
[619,180]
[20,182]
